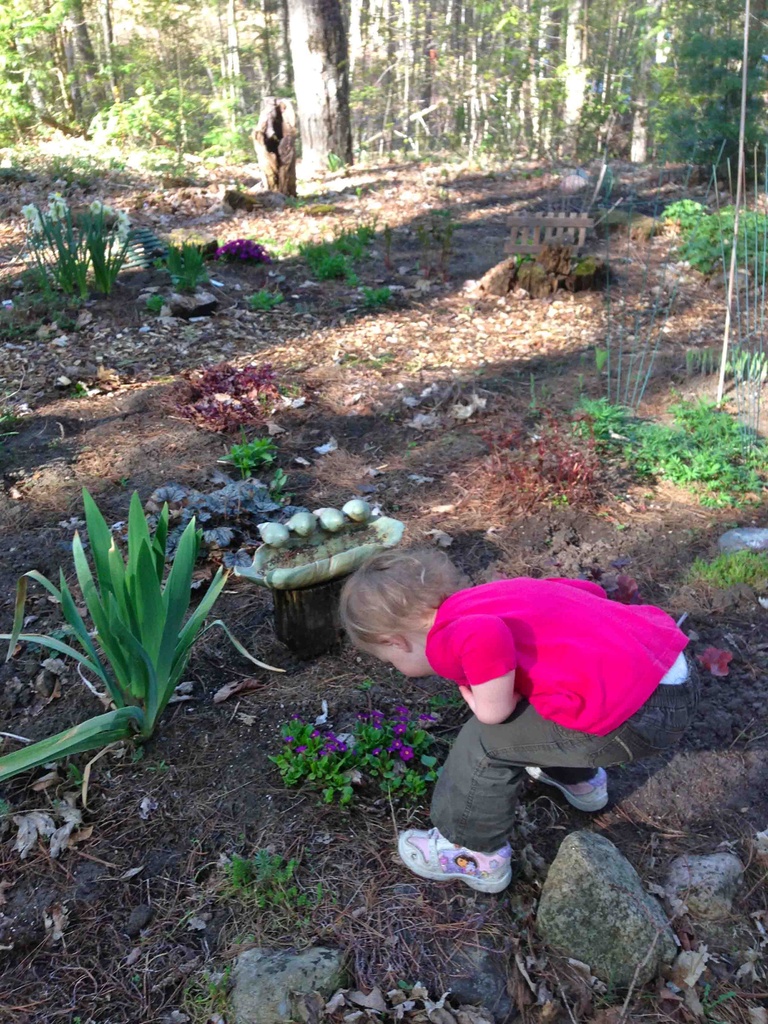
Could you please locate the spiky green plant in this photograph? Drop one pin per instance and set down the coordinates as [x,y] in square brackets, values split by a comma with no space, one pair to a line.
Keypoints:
[142,642]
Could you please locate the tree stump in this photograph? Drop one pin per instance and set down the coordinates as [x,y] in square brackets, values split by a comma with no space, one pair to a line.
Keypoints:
[553,268]
[307,621]
[274,140]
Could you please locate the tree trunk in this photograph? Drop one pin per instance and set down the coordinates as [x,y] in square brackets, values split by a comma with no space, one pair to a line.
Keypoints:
[320,68]
[274,140]
[575,74]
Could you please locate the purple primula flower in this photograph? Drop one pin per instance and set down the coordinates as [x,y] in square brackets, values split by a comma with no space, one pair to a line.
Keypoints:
[395,745]
[341,746]
[376,751]
[243,249]
[402,712]
[406,753]
[399,729]
[314,734]
[363,717]
[301,749]
[287,739]
[426,718]
[295,718]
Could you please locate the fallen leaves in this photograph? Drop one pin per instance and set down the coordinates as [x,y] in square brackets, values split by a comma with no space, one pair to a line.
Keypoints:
[716,659]
[37,826]
[236,686]
[398,1005]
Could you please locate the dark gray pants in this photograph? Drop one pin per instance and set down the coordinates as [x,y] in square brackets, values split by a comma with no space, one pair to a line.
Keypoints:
[475,797]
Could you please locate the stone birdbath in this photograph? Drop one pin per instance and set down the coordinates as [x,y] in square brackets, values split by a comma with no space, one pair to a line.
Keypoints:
[304,563]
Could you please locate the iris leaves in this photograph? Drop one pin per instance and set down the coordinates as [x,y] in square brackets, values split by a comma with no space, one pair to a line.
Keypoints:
[142,642]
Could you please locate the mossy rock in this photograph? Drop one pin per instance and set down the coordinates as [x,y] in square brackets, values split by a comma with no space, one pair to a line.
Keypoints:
[637,226]
[319,210]
[204,241]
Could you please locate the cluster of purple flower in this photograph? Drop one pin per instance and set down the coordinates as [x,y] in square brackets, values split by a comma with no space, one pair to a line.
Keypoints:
[243,249]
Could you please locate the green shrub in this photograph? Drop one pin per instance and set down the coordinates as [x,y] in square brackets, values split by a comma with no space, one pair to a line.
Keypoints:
[728,570]
[330,260]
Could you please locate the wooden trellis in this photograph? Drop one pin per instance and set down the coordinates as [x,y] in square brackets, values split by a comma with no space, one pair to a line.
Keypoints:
[532,231]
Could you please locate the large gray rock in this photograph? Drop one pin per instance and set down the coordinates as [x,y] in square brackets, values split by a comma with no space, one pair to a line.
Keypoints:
[746,538]
[478,976]
[269,984]
[594,908]
[706,884]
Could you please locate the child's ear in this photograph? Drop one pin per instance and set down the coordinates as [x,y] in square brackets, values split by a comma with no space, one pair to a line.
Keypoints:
[400,642]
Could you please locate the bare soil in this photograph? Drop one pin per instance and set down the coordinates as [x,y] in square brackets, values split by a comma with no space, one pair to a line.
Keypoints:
[135,941]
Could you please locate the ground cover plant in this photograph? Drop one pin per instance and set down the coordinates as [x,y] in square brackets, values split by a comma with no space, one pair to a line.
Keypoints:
[336,259]
[706,449]
[390,752]
[707,237]
[242,250]
[731,569]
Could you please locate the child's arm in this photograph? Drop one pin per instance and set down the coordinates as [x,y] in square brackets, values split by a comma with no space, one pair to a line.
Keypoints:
[494,701]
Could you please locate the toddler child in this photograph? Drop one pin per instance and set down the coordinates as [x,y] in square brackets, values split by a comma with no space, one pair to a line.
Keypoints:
[561,681]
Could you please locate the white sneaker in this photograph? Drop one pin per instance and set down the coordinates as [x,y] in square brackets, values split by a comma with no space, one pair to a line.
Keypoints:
[430,855]
[591,795]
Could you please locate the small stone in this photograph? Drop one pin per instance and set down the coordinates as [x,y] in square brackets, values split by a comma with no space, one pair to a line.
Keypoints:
[199,303]
[746,538]
[140,918]
[706,884]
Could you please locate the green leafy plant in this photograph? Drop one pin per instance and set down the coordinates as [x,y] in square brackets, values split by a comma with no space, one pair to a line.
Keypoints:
[249,455]
[390,753]
[375,298]
[277,486]
[154,303]
[335,162]
[206,997]
[186,265]
[330,260]
[269,880]
[707,238]
[263,301]
[731,569]
[143,635]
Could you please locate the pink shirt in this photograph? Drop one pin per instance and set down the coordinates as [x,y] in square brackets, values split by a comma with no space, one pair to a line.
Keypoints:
[583,661]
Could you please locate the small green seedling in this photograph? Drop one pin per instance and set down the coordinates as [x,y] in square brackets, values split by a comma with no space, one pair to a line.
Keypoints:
[154,303]
[375,298]
[263,301]
[250,455]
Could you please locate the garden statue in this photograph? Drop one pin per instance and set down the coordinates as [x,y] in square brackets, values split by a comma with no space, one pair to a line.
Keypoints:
[304,563]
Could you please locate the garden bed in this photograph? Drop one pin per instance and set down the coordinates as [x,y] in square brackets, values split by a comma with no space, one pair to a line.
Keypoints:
[454,416]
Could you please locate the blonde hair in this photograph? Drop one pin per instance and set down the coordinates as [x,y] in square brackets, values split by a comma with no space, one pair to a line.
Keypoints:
[395,591]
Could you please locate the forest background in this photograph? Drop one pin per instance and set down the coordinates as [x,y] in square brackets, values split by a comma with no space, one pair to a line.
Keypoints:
[634,79]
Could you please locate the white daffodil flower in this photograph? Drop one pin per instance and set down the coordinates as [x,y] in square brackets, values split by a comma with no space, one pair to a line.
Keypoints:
[31,215]
[57,207]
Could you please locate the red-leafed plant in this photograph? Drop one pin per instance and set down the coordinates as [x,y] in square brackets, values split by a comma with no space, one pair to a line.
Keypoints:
[716,660]
[553,465]
[225,397]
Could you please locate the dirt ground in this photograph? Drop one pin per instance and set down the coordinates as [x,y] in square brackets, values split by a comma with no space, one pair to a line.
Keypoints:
[140,895]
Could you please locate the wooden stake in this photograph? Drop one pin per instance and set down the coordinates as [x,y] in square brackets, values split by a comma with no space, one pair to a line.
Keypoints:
[739,176]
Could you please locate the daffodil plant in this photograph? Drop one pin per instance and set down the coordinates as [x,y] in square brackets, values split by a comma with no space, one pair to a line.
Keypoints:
[142,639]
[66,249]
